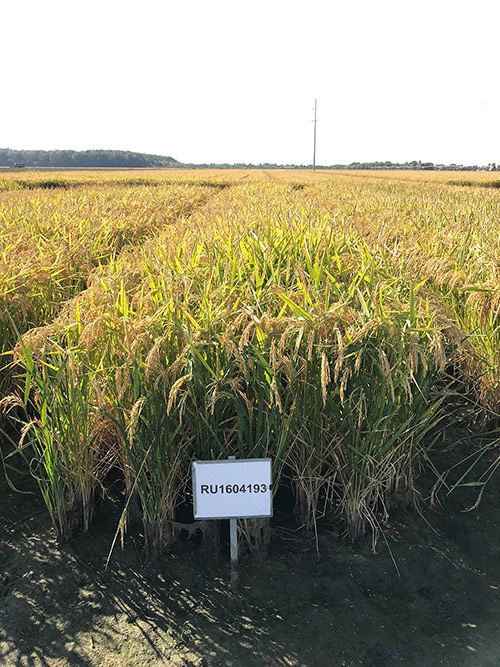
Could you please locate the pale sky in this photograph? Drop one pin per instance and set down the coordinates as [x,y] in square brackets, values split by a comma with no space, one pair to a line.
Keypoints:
[234,81]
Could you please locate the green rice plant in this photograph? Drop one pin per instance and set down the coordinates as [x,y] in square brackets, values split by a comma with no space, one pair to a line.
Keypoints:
[306,324]
[153,451]
[389,406]
[64,443]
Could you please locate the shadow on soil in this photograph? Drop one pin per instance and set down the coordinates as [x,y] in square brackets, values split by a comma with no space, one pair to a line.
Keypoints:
[429,596]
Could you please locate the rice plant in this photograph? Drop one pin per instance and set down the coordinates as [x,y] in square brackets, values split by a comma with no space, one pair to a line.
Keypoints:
[208,318]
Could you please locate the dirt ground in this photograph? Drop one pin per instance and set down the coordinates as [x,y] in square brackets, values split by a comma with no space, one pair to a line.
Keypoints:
[429,596]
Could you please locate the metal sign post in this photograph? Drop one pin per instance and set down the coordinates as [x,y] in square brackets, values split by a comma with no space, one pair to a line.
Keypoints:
[233,541]
[232,489]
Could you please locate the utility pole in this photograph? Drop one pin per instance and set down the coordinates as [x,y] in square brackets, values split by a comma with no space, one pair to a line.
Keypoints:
[315,121]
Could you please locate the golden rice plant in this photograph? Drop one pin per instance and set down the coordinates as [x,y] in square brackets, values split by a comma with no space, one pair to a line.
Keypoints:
[303,319]
[52,240]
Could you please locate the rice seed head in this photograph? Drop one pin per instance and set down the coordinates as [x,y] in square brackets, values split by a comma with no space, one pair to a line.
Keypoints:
[362,410]
[91,333]
[343,383]
[273,357]
[284,337]
[153,361]
[340,355]
[8,403]
[438,353]
[288,367]
[275,394]
[357,362]
[101,401]
[385,367]
[248,403]
[135,414]
[176,387]
[245,336]
[325,376]
[72,365]
[413,353]
[123,383]
[178,365]
[405,381]
[310,344]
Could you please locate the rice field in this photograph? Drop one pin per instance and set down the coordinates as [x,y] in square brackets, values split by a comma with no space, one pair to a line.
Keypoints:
[321,319]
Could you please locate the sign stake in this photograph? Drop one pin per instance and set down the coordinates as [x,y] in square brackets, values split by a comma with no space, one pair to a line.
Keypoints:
[232,489]
[233,541]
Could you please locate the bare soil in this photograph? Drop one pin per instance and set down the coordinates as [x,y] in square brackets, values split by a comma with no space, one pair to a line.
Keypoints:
[430,595]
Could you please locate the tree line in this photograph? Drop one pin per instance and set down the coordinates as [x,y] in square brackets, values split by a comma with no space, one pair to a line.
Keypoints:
[129,160]
[75,159]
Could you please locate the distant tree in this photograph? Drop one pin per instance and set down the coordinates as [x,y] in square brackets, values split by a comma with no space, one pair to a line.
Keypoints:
[91,158]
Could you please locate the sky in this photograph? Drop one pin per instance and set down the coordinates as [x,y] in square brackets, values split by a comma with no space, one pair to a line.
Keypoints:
[235,81]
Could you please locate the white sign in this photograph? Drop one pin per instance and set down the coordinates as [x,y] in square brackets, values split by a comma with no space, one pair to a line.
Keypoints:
[240,488]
